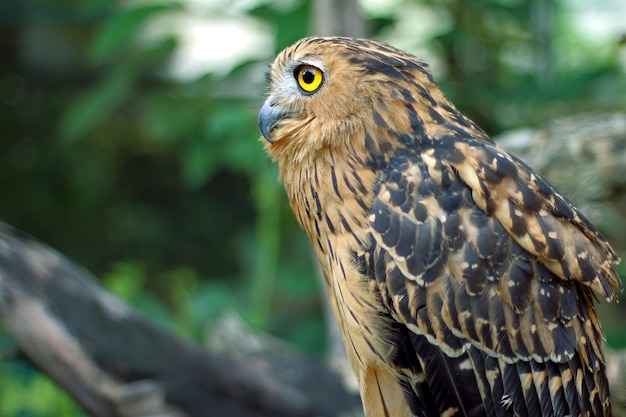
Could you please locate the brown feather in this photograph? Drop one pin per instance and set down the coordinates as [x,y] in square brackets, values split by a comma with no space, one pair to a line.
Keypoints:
[461,280]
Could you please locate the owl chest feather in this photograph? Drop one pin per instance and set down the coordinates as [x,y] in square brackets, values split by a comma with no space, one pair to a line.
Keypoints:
[331,204]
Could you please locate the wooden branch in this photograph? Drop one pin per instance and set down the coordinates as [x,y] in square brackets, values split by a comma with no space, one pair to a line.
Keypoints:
[115,363]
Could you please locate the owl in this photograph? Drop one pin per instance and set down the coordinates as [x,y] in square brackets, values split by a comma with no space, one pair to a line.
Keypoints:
[462,282]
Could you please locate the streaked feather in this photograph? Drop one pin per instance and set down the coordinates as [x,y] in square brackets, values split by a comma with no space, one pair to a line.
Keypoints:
[462,281]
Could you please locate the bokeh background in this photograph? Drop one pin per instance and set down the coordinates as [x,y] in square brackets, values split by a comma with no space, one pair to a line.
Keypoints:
[129,140]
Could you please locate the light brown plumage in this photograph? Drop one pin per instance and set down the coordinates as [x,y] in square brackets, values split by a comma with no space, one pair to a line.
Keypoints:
[461,280]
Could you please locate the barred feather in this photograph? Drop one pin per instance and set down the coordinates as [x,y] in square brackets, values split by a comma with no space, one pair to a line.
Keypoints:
[462,281]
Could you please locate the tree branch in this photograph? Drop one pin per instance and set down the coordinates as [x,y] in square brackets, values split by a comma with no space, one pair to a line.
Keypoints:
[114,362]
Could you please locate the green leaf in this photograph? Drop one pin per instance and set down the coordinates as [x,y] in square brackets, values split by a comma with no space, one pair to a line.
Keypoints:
[126,279]
[122,28]
[169,117]
[96,105]
[289,22]
[199,163]
[26,393]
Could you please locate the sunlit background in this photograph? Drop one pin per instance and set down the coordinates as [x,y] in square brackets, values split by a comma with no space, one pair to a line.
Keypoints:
[129,139]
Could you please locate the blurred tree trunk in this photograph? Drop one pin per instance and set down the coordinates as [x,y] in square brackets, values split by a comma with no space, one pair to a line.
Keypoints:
[115,363]
[339,18]
[543,24]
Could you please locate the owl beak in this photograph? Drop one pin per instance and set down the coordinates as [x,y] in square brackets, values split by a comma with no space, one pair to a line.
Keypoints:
[269,117]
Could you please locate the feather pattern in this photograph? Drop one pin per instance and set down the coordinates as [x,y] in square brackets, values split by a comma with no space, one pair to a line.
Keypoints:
[462,281]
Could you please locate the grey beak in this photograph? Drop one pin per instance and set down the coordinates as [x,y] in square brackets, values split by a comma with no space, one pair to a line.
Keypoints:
[269,116]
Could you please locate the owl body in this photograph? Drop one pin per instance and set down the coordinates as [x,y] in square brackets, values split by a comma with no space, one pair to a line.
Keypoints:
[461,280]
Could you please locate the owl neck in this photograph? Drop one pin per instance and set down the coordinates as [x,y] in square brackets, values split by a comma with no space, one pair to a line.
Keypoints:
[330,194]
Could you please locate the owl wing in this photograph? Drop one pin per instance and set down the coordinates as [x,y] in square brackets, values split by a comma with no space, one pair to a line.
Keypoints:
[490,274]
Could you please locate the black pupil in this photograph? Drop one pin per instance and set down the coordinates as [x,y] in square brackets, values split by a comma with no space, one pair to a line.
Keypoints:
[308,76]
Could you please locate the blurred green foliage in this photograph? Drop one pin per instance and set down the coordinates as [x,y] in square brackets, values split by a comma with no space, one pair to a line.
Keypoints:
[159,185]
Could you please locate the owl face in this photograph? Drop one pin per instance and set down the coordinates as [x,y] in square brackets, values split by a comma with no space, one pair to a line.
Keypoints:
[334,91]
[313,95]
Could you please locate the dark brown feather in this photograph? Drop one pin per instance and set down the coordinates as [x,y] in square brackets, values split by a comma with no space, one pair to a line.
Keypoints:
[462,281]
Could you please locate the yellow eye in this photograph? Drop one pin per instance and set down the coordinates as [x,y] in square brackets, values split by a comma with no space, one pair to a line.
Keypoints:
[309,78]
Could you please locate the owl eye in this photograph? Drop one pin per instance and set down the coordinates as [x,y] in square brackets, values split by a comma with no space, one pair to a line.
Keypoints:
[309,78]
